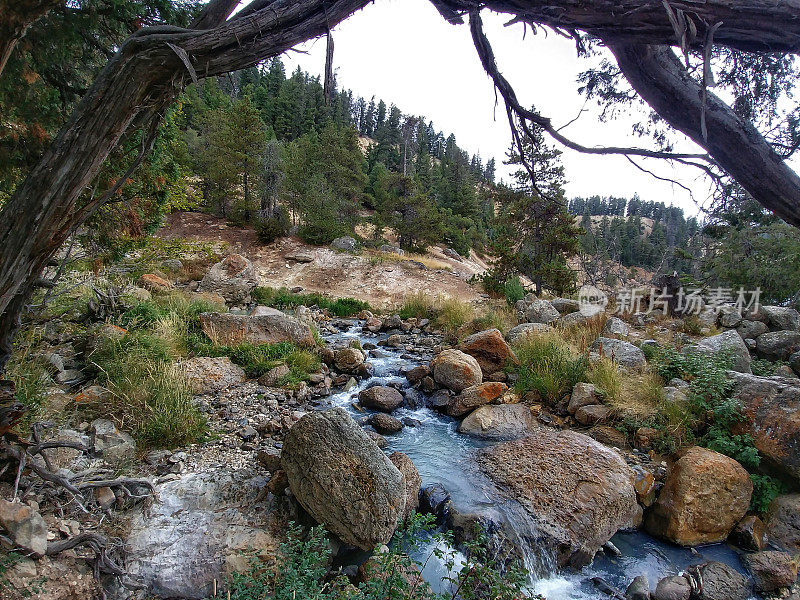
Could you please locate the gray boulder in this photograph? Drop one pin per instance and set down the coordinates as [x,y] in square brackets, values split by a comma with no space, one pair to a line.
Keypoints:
[194,533]
[673,587]
[565,305]
[345,243]
[520,332]
[778,345]
[639,589]
[718,581]
[620,351]
[392,249]
[412,479]
[583,394]
[781,318]
[206,374]
[573,318]
[783,522]
[541,311]
[750,330]
[728,341]
[499,422]
[25,526]
[230,329]
[233,278]
[771,410]
[771,570]
[616,326]
[382,398]
[111,443]
[342,478]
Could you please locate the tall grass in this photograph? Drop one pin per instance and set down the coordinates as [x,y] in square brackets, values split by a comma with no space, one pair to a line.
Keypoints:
[150,396]
[548,366]
[446,313]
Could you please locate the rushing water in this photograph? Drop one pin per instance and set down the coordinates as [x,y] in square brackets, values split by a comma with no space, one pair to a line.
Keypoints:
[442,455]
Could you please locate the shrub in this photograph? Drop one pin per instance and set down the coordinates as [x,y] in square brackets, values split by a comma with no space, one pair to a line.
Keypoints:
[301,571]
[513,290]
[765,368]
[548,367]
[765,490]
[270,229]
[283,298]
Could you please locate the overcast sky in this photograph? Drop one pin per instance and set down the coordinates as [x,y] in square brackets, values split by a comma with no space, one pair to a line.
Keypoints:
[404,52]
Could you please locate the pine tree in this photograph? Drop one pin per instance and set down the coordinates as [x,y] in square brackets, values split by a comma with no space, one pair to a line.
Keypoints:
[538,235]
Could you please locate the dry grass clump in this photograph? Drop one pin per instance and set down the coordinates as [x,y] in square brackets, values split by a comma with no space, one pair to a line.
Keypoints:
[548,366]
[377,257]
[581,335]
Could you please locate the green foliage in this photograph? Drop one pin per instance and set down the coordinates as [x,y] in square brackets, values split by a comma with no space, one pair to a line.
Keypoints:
[30,373]
[765,368]
[282,298]
[548,367]
[739,447]
[765,490]
[272,228]
[301,571]
[324,181]
[534,234]
[513,290]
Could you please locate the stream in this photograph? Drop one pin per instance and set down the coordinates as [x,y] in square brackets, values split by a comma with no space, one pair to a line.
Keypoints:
[444,456]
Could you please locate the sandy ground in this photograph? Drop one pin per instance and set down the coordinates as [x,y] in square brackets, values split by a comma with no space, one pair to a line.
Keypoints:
[380,279]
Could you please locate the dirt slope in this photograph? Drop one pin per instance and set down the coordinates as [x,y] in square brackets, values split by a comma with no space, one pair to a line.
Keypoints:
[379,278]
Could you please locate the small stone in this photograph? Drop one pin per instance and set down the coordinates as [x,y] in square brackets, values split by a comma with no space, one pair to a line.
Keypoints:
[247,433]
[25,526]
[105,497]
[384,423]
[673,587]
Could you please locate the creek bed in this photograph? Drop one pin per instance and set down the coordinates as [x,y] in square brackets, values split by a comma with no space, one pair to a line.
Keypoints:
[444,456]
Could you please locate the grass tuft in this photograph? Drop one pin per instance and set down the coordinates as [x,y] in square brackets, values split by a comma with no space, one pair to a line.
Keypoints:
[283,298]
[548,366]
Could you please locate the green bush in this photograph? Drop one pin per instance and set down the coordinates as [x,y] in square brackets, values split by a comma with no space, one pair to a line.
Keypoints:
[548,367]
[283,298]
[765,368]
[513,290]
[301,571]
[270,229]
[765,490]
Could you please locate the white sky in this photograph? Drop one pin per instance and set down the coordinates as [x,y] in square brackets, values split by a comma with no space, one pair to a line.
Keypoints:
[404,52]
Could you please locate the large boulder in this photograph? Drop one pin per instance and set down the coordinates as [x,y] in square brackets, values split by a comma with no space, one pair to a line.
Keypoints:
[233,278]
[197,532]
[499,422]
[778,345]
[380,397]
[620,351]
[541,311]
[705,494]
[783,522]
[206,374]
[616,326]
[456,370]
[566,305]
[229,329]
[728,341]
[771,570]
[771,407]
[412,479]
[781,318]
[750,330]
[341,477]
[673,587]
[718,581]
[524,330]
[489,349]
[348,359]
[574,491]
[475,396]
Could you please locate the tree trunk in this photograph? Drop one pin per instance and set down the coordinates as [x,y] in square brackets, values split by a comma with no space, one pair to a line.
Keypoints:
[663,82]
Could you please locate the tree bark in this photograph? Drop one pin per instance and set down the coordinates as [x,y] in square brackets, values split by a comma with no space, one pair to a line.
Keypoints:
[658,76]
[15,18]
[749,25]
